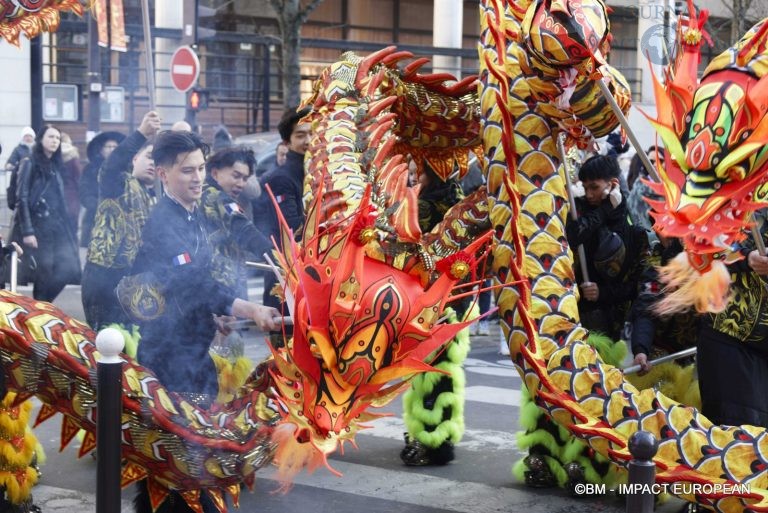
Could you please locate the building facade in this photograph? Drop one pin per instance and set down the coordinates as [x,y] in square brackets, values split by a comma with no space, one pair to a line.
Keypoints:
[240,46]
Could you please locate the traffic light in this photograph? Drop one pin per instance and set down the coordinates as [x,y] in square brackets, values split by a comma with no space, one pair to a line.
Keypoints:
[197,100]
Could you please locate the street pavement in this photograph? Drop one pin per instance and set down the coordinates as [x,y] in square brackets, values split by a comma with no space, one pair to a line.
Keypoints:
[373,477]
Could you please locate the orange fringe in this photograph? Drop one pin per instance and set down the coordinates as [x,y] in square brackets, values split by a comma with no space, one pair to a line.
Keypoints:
[292,456]
[686,287]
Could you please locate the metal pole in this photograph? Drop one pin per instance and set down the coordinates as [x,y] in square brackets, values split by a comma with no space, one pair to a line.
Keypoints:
[630,134]
[109,375]
[148,54]
[667,358]
[642,471]
[36,81]
[265,89]
[94,80]
[756,235]
[574,214]
[14,270]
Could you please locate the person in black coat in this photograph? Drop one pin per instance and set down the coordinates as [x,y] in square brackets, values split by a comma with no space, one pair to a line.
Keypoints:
[99,149]
[615,250]
[23,149]
[287,185]
[41,222]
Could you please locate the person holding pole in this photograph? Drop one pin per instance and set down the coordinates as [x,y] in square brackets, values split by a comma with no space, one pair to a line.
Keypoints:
[614,249]
[172,291]
[233,235]
[732,355]
[654,337]
[126,197]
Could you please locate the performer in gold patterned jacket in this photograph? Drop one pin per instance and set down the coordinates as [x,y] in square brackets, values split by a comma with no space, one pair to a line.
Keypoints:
[732,351]
[126,197]
[232,235]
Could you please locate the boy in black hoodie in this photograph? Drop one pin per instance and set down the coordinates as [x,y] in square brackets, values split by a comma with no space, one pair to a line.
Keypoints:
[615,250]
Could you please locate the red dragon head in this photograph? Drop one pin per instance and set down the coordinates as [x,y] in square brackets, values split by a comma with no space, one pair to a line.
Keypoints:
[714,135]
[361,328]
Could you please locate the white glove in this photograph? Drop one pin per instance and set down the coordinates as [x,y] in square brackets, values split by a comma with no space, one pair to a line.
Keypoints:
[615,196]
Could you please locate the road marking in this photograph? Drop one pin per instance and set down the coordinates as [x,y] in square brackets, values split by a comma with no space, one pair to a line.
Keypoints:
[392,428]
[503,368]
[493,395]
[435,493]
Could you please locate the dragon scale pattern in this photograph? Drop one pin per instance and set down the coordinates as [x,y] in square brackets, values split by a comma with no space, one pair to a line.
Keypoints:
[540,63]
[564,375]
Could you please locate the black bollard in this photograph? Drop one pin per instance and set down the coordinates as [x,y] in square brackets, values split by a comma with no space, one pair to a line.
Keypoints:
[109,374]
[642,472]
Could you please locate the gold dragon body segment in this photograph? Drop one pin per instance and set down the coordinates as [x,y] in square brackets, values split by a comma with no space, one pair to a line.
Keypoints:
[528,213]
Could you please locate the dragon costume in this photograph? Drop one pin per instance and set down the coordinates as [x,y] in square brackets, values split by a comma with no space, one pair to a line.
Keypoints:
[32,17]
[367,288]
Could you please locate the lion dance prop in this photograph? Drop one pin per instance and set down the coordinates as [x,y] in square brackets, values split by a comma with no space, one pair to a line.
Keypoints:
[368,289]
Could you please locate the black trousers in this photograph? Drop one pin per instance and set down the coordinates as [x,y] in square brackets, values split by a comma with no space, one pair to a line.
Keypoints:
[733,377]
[99,299]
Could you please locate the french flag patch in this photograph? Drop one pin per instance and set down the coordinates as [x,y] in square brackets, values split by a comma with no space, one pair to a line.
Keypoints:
[233,208]
[182,259]
[279,198]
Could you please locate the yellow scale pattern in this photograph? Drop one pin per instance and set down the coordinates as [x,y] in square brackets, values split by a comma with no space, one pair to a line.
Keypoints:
[528,212]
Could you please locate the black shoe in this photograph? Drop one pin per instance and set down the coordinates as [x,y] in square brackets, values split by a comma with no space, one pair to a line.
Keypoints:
[576,477]
[538,474]
[416,454]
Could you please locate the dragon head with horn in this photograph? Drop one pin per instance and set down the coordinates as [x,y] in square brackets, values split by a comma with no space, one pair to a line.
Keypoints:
[715,134]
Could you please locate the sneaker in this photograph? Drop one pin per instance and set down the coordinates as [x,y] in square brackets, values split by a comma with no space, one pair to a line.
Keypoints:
[415,454]
[483,328]
[503,347]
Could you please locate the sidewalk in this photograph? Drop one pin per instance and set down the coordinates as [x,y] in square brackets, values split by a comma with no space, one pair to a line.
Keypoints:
[59,500]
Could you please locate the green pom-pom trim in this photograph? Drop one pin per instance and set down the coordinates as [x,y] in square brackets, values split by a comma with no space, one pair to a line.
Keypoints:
[429,426]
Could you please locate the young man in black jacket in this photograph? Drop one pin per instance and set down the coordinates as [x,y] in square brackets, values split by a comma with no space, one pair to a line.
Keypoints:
[232,235]
[287,185]
[614,248]
[177,323]
[177,333]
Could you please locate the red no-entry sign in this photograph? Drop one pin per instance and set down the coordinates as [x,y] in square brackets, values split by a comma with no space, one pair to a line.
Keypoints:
[185,68]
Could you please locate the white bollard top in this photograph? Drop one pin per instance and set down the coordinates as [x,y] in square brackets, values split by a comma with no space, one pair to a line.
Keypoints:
[110,343]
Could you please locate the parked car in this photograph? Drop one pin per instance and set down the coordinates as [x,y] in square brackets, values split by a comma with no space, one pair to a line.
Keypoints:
[259,142]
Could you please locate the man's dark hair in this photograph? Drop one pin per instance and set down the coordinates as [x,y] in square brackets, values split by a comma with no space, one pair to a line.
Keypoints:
[291,118]
[228,156]
[600,167]
[169,145]
[38,151]
[149,142]
[658,149]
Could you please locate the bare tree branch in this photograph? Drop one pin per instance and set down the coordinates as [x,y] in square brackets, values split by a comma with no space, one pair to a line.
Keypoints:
[290,17]
[311,6]
[279,6]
